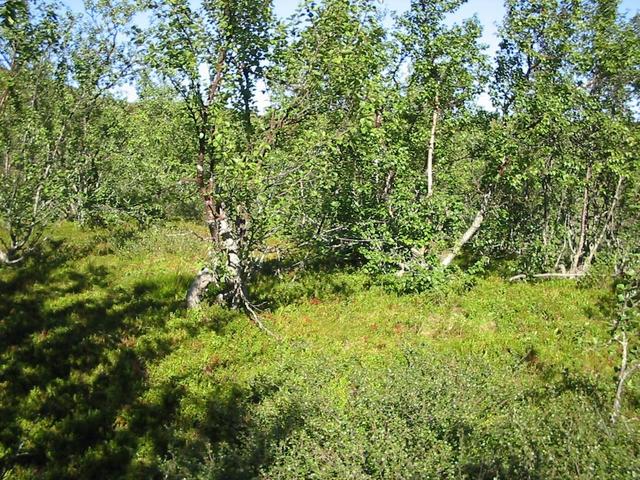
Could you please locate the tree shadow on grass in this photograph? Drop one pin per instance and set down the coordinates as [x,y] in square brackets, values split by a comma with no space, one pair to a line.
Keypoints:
[234,442]
[271,291]
[72,380]
[68,367]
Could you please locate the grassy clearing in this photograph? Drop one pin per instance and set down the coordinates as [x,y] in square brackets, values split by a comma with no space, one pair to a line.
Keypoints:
[104,374]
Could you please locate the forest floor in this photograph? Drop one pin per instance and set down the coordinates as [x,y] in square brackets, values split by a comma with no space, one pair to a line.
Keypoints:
[104,374]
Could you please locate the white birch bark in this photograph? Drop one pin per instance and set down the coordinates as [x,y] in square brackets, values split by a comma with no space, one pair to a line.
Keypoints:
[625,372]
[469,233]
[608,222]
[583,223]
[198,287]
[432,143]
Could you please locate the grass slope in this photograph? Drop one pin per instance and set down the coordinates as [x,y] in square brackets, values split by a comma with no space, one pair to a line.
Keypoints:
[103,374]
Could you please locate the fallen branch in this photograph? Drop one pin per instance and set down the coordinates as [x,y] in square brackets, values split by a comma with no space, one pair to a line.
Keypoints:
[547,276]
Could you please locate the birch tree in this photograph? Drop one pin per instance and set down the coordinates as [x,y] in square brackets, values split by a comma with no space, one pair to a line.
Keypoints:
[565,94]
[213,57]
[50,79]
[446,70]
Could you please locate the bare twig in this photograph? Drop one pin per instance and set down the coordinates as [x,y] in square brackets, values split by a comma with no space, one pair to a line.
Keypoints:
[625,372]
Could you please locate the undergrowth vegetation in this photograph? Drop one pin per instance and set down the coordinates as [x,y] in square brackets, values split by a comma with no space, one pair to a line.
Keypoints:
[103,373]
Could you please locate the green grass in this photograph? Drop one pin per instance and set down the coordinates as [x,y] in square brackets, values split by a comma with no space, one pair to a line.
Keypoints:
[103,374]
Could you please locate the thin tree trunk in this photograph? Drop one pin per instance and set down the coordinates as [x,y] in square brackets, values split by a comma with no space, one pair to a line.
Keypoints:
[583,223]
[469,233]
[212,214]
[206,186]
[446,259]
[609,221]
[557,264]
[546,208]
[432,143]
[222,235]
[623,376]
[231,251]
[235,273]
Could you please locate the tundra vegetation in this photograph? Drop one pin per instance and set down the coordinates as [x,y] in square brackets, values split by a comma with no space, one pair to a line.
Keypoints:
[367,276]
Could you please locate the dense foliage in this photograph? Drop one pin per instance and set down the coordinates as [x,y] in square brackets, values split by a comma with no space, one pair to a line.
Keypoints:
[371,149]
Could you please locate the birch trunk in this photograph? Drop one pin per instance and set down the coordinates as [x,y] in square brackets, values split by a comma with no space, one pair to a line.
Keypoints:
[204,277]
[198,287]
[234,275]
[608,222]
[206,186]
[231,250]
[432,143]
[583,223]
[469,233]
